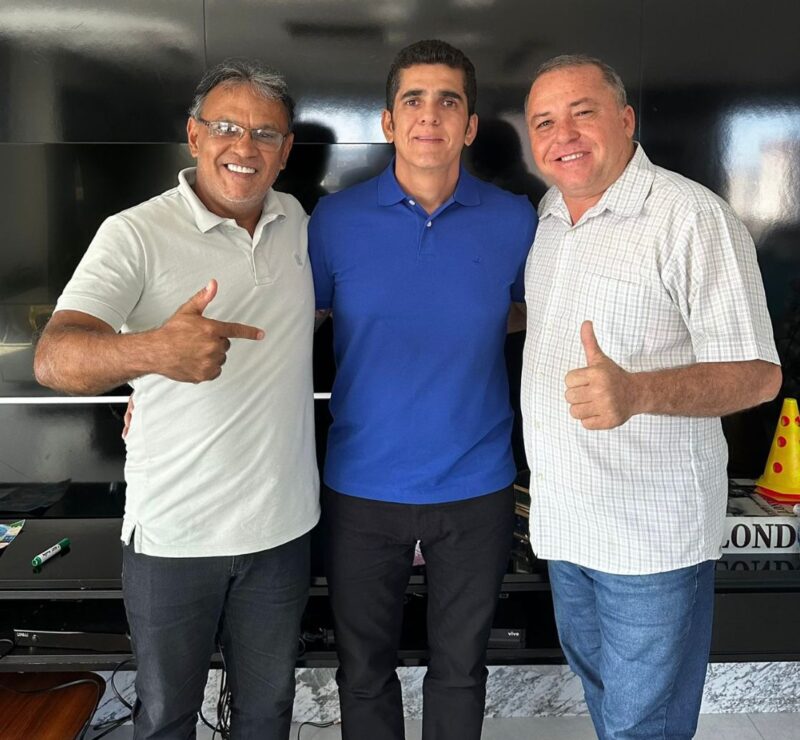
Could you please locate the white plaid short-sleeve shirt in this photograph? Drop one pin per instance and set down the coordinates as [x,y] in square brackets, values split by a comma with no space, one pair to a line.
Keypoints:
[668,275]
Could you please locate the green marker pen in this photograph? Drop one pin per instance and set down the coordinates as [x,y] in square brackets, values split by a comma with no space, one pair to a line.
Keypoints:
[50,552]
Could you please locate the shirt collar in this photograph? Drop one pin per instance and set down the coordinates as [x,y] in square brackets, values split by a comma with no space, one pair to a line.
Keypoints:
[390,192]
[625,197]
[205,219]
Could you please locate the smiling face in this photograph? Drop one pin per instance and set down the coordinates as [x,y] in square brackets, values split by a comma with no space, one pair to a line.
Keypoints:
[581,138]
[429,123]
[233,177]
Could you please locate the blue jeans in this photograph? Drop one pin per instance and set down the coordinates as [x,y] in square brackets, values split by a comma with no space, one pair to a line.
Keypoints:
[177,609]
[640,645]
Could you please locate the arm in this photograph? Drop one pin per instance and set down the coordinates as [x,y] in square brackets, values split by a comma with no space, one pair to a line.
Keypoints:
[603,395]
[517,318]
[321,273]
[518,313]
[82,355]
[319,317]
[713,278]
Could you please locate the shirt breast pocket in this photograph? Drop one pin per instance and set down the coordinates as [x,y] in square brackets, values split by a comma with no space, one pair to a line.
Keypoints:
[617,305]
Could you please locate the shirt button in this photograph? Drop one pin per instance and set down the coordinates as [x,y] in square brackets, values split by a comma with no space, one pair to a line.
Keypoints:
[429,224]
[412,202]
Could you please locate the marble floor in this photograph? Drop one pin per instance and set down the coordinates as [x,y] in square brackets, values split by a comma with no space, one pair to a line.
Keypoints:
[771,726]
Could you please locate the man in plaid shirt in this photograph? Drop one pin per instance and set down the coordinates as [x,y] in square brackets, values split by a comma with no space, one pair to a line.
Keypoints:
[646,323]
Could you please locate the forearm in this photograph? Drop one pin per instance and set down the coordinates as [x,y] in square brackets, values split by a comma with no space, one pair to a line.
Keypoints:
[517,318]
[87,362]
[320,315]
[81,354]
[705,389]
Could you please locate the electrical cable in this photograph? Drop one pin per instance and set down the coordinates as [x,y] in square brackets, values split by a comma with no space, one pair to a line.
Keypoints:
[223,705]
[321,725]
[207,723]
[11,646]
[223,711]
[224,708]
[109,727]
[119,696]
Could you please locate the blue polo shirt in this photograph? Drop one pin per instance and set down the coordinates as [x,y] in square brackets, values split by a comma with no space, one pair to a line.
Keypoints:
[420,402]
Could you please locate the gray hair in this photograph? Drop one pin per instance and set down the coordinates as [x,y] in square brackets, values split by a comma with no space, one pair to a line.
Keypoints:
[265,81]
[610,76]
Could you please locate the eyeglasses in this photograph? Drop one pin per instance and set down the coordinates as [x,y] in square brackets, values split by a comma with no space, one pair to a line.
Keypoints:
[264,138]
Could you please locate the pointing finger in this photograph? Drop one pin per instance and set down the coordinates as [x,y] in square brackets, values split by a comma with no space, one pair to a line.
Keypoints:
[237,331]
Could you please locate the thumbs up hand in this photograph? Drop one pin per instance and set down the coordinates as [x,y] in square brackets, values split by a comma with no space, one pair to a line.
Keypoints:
[193,348]
[602,394]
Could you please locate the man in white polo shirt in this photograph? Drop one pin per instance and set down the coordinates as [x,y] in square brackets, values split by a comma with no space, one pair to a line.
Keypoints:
[646,322]
[221,471]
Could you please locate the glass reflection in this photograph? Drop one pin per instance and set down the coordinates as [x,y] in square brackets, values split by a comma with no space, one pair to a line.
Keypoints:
[762,153]
[762,162]
[354,120]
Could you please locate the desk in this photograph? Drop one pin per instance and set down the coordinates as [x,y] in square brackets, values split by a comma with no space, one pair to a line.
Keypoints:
[79,590]
[757,603]
[90,568]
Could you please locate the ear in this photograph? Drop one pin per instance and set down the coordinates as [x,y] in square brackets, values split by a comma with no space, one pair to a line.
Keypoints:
[286,149]
[629,121]
[387,124]
[192,131]
[472,129]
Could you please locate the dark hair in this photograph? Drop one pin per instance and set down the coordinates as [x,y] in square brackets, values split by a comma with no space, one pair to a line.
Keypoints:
[565,61]
[264,80]
[432,51]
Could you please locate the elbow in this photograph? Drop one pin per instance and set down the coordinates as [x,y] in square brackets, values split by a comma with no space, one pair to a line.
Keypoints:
[45,368]
[41,368]
[50,375]
[772,382]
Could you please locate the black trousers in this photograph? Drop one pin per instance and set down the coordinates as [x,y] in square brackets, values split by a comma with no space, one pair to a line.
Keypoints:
[177,606]
[369,553]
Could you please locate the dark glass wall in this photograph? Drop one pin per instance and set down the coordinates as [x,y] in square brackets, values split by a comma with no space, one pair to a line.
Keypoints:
[721,104]
[92,116]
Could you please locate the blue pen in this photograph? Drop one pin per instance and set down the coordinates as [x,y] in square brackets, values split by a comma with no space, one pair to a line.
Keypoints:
[50,552]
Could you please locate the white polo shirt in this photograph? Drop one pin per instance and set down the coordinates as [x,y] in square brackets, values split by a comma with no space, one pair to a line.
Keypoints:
[228,466]
[668,275]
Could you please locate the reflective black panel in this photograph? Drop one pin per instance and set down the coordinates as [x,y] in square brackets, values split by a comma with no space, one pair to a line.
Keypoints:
[98,70]
[61,194]
[336,55]
[316,169]
[64,192]
[54,443]
[716,85]
[721,104]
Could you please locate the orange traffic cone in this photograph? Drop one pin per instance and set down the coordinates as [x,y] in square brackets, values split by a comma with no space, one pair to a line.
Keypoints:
[781,479]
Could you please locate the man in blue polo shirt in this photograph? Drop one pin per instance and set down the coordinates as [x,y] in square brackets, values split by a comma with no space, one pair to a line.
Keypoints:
[419,266]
